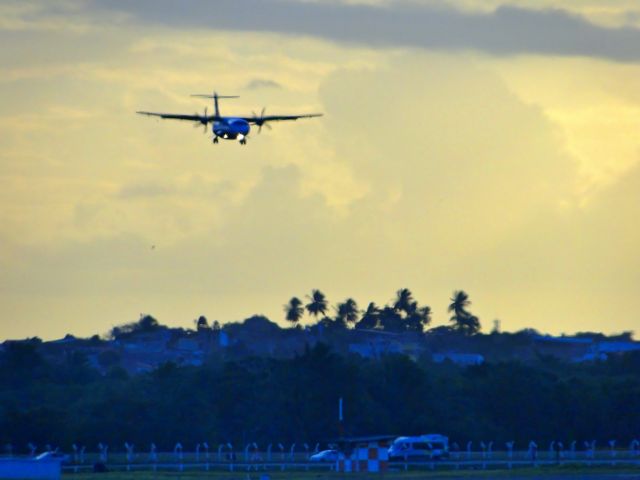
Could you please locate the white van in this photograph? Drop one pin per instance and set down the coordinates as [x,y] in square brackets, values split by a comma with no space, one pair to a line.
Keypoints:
[431,447]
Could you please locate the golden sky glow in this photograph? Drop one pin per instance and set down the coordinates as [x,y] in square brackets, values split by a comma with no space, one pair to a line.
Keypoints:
[511,173]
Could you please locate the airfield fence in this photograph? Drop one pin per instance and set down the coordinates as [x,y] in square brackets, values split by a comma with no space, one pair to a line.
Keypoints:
[502,460]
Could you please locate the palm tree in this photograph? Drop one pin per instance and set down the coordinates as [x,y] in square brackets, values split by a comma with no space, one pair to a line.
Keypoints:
[459,302]
[370,317]
[318,303]
[391,320]
[294,310]
[425,314]
[470,325]
[464,321]
[348,311]
[418,318]
[404,300]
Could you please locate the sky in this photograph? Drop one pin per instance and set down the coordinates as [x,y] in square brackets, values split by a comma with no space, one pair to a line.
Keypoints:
[491,146]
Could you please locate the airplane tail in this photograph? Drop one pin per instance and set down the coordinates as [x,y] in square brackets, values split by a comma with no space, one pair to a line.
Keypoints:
[215,97]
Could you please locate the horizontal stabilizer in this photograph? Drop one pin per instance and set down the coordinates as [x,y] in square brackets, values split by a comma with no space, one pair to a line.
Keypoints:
[201,95]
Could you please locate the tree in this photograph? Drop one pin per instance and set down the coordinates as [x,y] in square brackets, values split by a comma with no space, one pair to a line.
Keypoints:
[201,323]
[459,302]
[464,322]
[147,323]
[260,324]
[370,317]
[425,314]
[404,301]
[318,304]
[109,358]
[406,315]
[348,311]
[294,310]
[331,325]
[418,318]
[391,320]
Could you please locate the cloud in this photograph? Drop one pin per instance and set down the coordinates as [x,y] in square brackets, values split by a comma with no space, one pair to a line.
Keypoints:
[145,190]
[442,175]
[185,186]
[426,171]
[258,83]
[506,31]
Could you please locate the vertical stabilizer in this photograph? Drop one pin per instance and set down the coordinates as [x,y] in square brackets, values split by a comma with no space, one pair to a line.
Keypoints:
[215,104]
[215,97]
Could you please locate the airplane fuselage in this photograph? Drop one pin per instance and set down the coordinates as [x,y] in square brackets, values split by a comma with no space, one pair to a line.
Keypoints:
[231,128]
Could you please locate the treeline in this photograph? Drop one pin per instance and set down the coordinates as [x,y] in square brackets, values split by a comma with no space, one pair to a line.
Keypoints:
[295,400]
[403,314]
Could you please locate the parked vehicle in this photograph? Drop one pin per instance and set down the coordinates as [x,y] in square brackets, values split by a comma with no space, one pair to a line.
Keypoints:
[324,456]
[422,447]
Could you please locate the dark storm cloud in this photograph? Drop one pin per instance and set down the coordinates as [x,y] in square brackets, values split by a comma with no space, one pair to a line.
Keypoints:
[506,31]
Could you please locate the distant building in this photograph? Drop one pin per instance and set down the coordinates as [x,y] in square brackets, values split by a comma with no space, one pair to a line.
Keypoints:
[141,367]
[582,349]
[187,344]
[566,340]
[143,346]
[617,347]
[463,359]
[375,348]
[590,357]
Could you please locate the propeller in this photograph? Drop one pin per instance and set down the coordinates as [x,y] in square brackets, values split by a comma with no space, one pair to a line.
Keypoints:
[260,121]
[203,121]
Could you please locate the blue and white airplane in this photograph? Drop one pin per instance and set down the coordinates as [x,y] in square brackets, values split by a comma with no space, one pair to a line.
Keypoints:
[229,128]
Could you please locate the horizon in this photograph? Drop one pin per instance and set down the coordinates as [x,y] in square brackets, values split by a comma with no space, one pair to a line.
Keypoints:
[307,321]
[485,145]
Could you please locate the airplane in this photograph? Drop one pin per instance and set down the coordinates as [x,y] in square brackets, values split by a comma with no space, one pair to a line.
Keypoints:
[228,128]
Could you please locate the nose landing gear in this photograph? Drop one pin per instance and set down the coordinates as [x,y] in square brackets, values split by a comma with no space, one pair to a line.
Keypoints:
[215,139]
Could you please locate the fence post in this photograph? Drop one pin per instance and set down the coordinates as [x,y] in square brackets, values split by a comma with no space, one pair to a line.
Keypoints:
[153,456]
[32,449]
[177,451]
[129,447]
[510,453]
[533,452]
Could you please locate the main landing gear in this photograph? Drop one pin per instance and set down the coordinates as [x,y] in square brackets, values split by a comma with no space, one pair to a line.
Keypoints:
[243,141]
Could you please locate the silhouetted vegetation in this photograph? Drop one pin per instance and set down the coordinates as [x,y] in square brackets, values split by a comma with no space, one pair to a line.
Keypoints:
[146,324]
[294,310]
[464,321]
[403,315]
[286,400]
[253,381]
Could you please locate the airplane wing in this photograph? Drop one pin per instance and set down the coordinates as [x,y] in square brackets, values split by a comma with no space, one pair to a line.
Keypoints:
[180,116]
[278,118]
